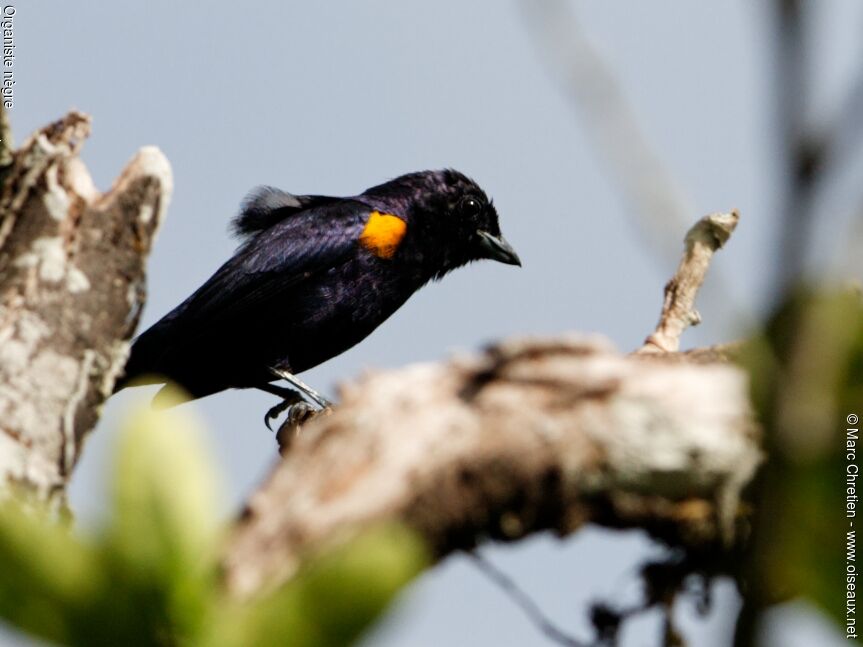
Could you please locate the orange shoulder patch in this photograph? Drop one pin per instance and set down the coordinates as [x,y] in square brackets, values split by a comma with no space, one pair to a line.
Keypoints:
[383,233]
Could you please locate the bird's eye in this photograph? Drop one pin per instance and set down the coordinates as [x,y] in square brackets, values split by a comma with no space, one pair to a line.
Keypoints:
[471,206]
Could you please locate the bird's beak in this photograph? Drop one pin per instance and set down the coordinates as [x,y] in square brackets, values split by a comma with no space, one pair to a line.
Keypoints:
[497,249]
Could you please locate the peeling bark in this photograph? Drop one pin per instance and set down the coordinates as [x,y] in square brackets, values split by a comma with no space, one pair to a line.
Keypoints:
[71,290]
[533,434]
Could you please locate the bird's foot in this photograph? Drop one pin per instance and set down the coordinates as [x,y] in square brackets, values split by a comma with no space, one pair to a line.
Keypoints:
[298,415]
[281,407]
[300,401]
[298,385]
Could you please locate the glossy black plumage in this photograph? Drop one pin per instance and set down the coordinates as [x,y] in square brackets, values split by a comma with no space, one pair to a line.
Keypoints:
[302,288]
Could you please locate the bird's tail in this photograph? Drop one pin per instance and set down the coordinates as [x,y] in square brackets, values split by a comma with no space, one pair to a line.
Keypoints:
[145,362]
[136,374]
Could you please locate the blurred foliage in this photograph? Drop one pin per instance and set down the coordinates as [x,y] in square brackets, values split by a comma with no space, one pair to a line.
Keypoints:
[807,377]
[150,577]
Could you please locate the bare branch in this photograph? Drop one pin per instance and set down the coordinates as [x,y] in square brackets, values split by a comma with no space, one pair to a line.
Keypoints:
[527,604]
[71,289]
[678,310]
[801,154]
[532,434]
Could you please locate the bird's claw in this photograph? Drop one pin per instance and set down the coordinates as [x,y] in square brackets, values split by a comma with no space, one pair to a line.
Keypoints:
[298,414]
[296,406]
[300,400]
[276,411]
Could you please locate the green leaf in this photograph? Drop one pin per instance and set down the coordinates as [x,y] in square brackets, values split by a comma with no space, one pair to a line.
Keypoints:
[150,579]
[807,376]
[334,598]
[162,539]
[48,576]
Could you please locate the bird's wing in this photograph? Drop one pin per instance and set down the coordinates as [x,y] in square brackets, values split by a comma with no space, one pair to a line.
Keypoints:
[260,272]
[290,252]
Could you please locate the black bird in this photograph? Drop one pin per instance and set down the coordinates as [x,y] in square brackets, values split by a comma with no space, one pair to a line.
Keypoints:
[313,276]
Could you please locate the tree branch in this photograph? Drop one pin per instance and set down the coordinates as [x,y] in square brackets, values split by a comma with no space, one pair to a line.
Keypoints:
[678,309]
[532,434]
[71,290]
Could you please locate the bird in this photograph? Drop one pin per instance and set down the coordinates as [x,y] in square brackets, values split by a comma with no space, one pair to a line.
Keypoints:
[312,276]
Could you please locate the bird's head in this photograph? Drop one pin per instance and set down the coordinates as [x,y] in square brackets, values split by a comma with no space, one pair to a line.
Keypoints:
[450,220]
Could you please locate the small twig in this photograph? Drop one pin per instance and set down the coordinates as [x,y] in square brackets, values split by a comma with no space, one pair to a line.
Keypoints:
[800,154]
[664,582]
[678,310]
[527,604]
[831,147]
